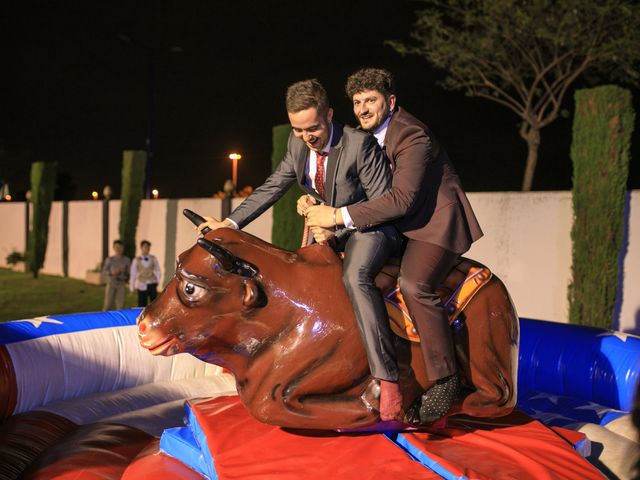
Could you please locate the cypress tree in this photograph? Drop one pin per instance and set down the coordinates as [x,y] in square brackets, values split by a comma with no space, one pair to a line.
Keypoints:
[602,131]
[287,224]
[43,183]
[133,167]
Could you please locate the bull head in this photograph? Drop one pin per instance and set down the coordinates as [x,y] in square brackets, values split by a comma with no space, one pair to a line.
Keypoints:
[228,260]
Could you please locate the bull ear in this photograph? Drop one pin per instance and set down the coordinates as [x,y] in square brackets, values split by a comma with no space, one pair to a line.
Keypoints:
[253,296]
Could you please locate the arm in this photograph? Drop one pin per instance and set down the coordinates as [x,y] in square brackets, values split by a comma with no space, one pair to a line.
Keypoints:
[411,163]
[156,268]
[268,193]
[106,266]
[412,158]
[133,272]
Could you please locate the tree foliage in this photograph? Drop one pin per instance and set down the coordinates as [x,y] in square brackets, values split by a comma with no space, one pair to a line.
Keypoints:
[287,226]
[600,153]
[133,166]
[43,183]
[524,55]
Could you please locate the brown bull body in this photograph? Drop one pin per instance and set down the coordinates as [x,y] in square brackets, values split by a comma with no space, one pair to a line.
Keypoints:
[289,336]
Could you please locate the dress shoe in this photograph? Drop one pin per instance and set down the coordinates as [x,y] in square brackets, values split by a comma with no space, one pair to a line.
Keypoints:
[435,402]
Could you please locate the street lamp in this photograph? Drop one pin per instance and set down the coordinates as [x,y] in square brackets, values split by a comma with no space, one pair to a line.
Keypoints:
[234,172]
[153,51]
[106,196]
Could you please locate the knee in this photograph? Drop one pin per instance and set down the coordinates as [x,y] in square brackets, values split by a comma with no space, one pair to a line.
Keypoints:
[354,277]
[414,289]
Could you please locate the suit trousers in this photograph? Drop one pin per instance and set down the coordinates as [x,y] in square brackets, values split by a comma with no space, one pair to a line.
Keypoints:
[365,255]
[147,296]
[424,266]
[114,295]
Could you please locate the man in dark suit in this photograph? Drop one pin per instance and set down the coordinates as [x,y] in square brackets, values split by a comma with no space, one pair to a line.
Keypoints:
[336,166]
[427,204]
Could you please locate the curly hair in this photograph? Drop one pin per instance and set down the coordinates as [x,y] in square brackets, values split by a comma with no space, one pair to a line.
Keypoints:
[371,79]
[307,94]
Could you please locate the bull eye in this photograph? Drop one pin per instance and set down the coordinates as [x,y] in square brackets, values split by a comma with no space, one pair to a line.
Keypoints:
[192,292]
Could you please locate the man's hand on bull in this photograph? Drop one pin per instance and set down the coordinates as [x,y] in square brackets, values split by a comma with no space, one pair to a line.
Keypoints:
[304,202]
[324,216]
[322,235]
[214,224]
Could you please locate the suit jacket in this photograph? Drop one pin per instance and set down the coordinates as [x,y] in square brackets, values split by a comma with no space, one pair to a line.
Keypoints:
[356,171]
[426,200]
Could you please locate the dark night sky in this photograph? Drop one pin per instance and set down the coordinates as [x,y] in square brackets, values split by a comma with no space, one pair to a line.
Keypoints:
[75,86]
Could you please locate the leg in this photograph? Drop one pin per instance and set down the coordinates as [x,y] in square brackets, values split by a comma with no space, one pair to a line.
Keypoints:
[365,254]
[142,298]
[152,291]
[120,295]
[424,267]
[109,296]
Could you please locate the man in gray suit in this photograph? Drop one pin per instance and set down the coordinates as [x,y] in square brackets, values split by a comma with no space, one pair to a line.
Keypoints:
[336,166]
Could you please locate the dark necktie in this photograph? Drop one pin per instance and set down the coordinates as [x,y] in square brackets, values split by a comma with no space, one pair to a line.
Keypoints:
[146,259]
[319,178]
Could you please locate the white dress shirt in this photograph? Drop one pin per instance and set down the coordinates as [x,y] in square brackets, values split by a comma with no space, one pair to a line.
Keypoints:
[309,170]
[380,133]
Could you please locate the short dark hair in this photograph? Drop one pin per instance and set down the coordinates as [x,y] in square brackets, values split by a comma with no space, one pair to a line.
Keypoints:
[145,242]
[371,79]
[307,94]
[118,242]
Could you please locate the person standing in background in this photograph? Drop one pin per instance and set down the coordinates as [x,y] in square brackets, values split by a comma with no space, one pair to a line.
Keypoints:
[145,275]
[116,269]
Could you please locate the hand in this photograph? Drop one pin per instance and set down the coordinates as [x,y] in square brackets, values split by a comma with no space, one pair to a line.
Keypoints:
[322,216]
[212,223]
[304,202]
[322,235]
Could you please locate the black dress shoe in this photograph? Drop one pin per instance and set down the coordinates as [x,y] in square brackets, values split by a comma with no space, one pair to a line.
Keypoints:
[435,402]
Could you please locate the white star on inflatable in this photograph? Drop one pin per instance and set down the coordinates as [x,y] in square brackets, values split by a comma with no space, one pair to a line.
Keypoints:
[37,321]
[548,417]
[599,410]
[621,335]
[546,396]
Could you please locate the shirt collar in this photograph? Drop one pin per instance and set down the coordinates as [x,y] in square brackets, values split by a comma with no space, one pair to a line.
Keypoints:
[327,147]
[381,131]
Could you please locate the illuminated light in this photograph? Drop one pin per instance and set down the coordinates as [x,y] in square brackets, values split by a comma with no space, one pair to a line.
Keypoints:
[7,197]
[234,171]
[94,195]
[155,193]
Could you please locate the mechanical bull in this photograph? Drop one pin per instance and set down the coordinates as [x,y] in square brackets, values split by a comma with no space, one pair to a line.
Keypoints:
[282,323]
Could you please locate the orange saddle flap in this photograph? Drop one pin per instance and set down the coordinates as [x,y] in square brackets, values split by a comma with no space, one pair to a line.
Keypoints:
[459,287]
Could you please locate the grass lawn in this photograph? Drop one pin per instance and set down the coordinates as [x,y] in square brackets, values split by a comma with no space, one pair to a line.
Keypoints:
[22,296]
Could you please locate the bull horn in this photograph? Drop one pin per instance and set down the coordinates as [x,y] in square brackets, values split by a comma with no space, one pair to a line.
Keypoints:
[195,219]
[228,260]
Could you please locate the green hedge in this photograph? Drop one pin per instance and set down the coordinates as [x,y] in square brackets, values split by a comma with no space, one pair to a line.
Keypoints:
[287,224]
[600,153]
[133,168]
[43,184]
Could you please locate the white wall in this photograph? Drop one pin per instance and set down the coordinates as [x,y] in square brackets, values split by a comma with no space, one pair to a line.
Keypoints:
[12,229]
[527,243]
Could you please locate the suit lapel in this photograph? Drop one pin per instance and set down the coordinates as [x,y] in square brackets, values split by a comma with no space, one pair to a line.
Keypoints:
[335,153]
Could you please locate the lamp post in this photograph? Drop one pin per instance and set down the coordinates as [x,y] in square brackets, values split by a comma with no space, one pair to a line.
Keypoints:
[106,196]
[153,52]
[27,219]
[234,172]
